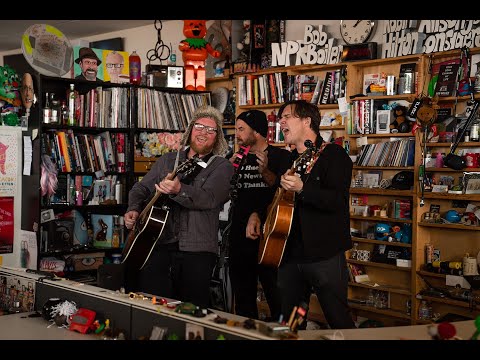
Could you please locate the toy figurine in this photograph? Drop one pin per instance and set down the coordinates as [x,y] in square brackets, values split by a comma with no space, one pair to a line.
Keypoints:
[400,123]
[195,50]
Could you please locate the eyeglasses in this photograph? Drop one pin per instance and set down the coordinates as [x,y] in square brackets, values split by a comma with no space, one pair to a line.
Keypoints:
[201,127]
[90,62]
[117,66]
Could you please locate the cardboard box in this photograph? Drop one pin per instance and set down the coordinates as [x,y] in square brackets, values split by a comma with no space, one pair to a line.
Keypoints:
[90,261]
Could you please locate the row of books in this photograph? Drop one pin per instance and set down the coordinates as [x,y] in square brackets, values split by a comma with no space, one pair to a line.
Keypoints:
[388,153]
[279,87]
[103,107]
[261,89]
[86,152]
[330,88]
[363,117]
[168,111]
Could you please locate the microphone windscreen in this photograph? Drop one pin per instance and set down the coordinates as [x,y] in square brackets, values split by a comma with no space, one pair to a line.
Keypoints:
[446,330]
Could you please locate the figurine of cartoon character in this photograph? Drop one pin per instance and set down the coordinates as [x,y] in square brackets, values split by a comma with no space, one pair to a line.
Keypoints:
[195,50]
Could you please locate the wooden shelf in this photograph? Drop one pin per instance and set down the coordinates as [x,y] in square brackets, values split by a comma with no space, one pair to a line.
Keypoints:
[382,192]
[428,273]
[379,265]
[383,288]
[432,169]
[379,218]
[450,226]
[407,97]
[228,126]
[448,301]
[432,195]
[389,135]
[259,107]
[217,79]
[337,127]
[380,242]
[388,312]
[398,168]
[448,144]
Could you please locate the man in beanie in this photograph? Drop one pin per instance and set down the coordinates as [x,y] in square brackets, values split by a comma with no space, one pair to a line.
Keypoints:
[89,63]
[181,263]
[259,177]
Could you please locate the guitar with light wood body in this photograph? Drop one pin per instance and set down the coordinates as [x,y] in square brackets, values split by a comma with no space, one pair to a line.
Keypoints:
[280,215]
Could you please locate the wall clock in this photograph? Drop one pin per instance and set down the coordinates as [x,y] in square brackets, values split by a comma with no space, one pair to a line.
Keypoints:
[356,31]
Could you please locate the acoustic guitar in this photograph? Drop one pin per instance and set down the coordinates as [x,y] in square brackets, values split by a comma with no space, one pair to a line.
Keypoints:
[150,223]
[280,215]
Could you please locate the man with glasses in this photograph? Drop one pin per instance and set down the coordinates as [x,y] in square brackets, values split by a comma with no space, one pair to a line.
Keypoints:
[88,62]
[114,64]
[181,263]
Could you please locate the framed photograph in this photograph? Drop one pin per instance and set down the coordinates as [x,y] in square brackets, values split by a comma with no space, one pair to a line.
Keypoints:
[471,182]
[371,180]
[101,191]
[194,332]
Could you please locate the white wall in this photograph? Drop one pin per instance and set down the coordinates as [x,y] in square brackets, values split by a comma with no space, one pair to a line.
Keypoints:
[144,38]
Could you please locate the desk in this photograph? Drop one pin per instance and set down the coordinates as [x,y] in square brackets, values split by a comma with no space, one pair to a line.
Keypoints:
[465,329]
[21,327]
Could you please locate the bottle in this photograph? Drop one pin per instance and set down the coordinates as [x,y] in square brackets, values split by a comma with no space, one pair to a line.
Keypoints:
[439,160]
[135,68]
[121,231]
[47,111]
[272,119]
[64,113]
[474,131]
[423,311]
[353,252]
[172,60]
[71,105]
[116,233]
[54,109]
[118,192]
[467,136]
[359,179]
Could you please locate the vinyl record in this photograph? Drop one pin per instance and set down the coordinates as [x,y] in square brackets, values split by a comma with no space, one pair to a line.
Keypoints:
[220,98]
[47,50]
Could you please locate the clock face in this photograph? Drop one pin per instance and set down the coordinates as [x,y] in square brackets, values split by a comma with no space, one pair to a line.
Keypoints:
[356,31]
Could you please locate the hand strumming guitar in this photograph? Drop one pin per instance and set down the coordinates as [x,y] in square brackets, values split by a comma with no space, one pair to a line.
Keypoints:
[130,218]
[167,186]
[291,182]
[253,227]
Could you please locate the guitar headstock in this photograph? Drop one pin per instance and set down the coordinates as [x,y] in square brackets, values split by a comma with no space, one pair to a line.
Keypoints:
[188,166]
[307,156]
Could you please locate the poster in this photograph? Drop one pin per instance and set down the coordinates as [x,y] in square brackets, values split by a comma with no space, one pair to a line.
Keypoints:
[9,158]
[6,224]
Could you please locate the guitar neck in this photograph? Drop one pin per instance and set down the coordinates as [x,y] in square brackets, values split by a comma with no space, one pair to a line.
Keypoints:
[157,195]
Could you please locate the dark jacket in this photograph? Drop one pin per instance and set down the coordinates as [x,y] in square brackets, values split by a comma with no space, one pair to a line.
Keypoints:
[323,205]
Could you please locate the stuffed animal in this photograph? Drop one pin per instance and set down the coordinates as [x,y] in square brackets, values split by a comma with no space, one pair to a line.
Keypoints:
[400,122]
[195,50]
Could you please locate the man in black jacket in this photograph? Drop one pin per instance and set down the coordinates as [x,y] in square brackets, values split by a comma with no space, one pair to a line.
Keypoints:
[314,256]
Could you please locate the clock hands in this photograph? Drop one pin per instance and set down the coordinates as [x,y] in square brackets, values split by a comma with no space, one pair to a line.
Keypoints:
[358,22]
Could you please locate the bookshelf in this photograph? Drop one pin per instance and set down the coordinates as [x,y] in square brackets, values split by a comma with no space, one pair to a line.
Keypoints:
[95,163]
[403,283]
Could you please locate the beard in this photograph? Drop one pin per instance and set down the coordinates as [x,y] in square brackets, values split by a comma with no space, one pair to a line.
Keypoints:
[201,149]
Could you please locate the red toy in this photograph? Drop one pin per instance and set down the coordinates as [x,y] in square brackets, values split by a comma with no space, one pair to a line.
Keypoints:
[195,50]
